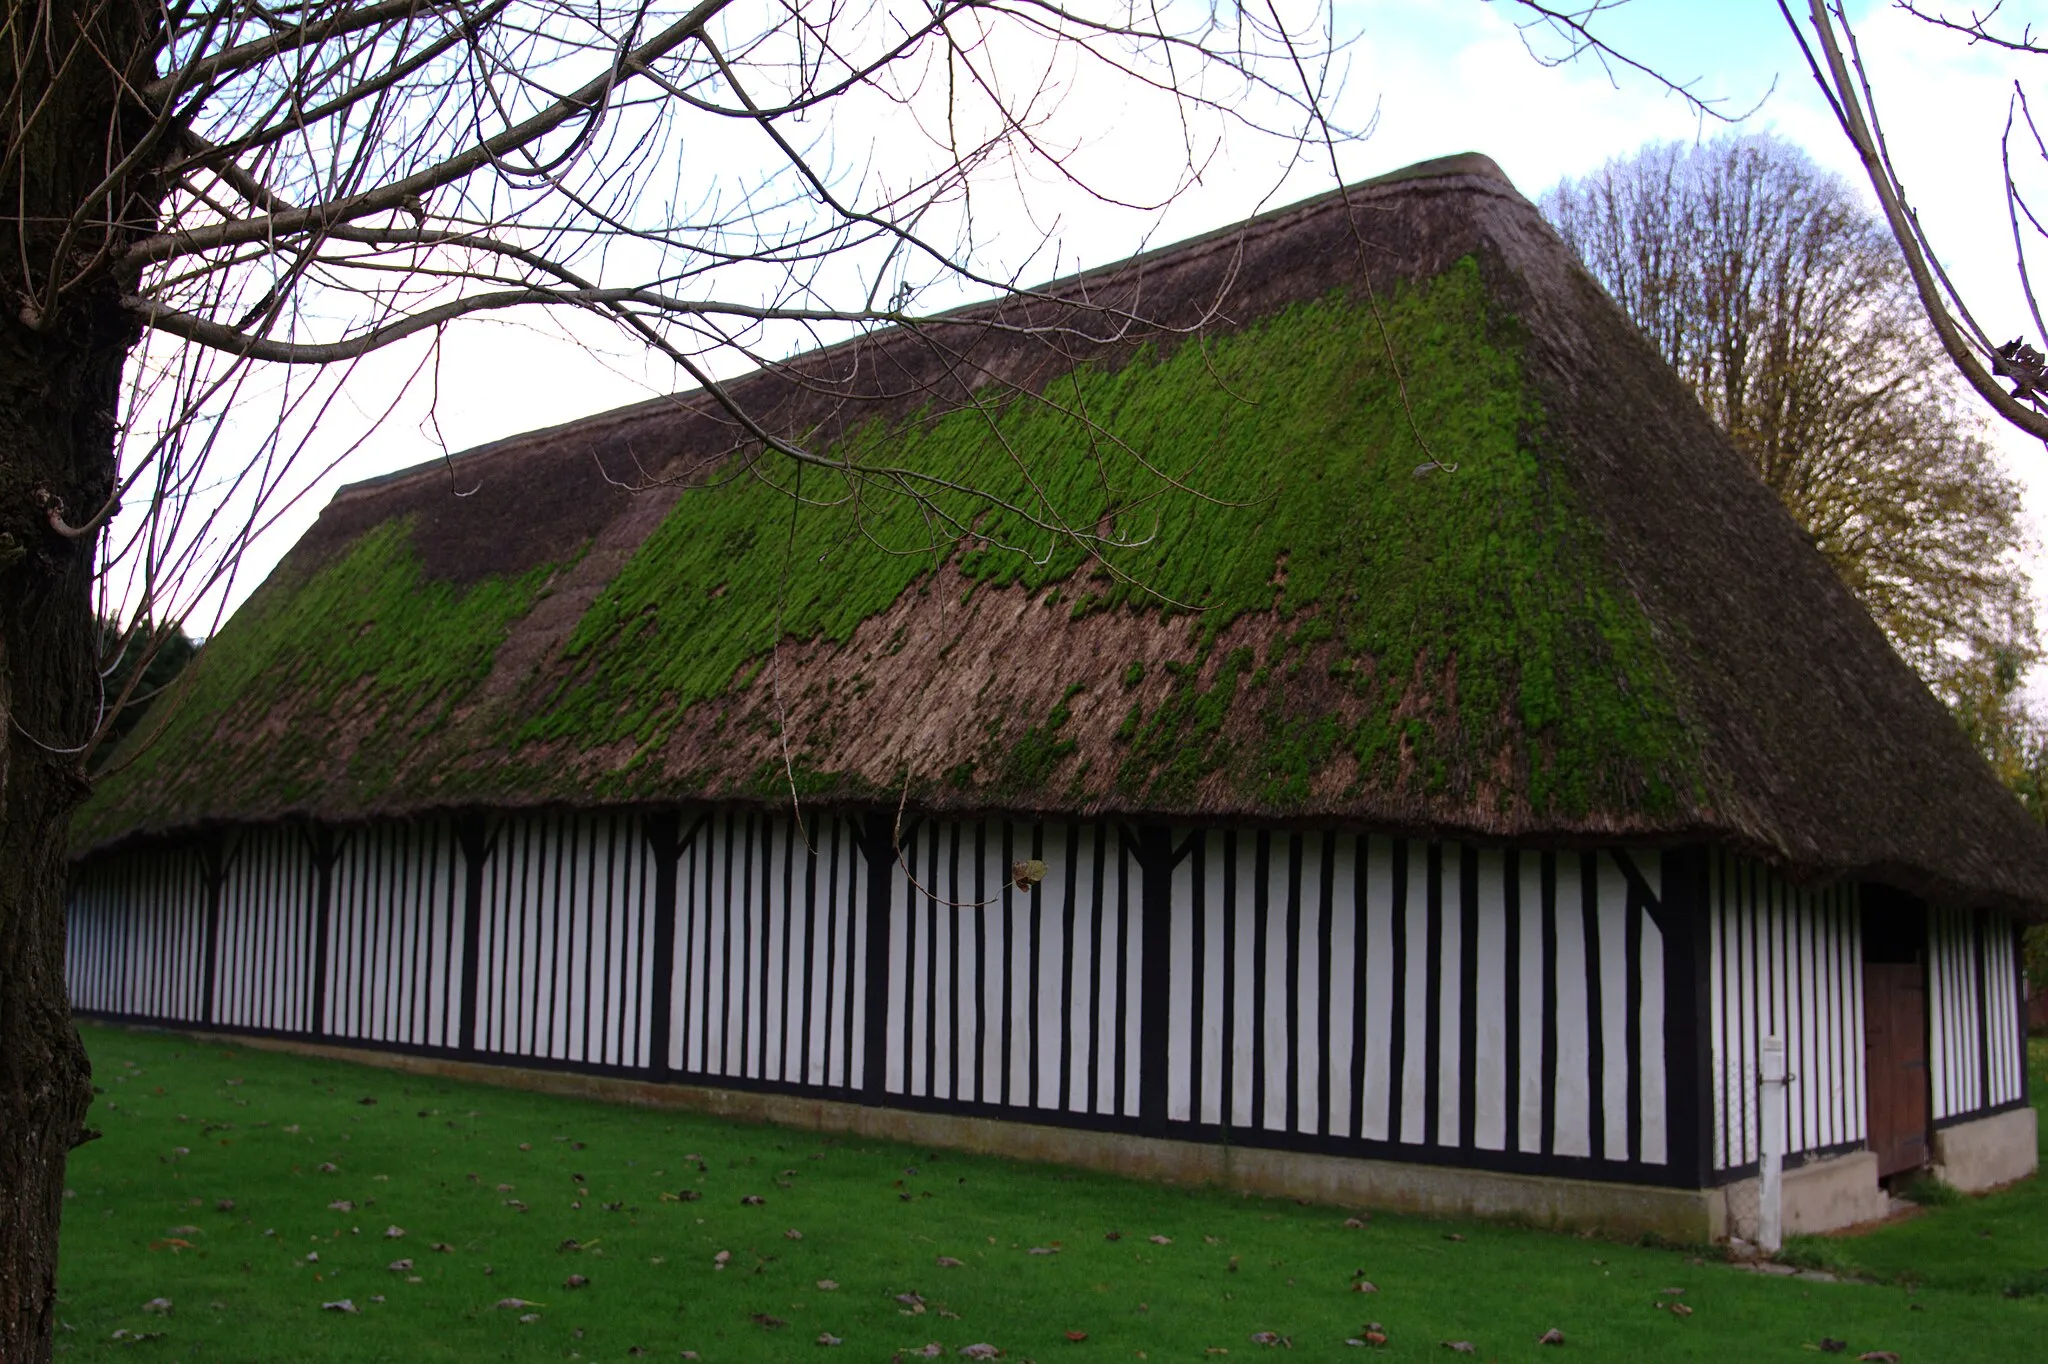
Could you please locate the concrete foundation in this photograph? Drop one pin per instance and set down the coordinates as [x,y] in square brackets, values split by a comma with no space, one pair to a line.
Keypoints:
[1988,1152]
[1820,1195]
[1691,1216]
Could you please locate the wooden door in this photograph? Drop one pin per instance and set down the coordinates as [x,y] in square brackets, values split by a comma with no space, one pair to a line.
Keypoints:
[1895,1060]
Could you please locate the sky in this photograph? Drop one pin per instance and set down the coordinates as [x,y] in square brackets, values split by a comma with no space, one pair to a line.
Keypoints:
[1430,77]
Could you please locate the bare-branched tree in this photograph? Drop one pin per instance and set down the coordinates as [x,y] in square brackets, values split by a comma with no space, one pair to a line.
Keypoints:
[2010,377]
[222,216]
[1783,303]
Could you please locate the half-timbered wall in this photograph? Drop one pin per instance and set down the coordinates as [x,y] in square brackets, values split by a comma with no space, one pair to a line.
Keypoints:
[1785,961]
[393,938]
[1399,996]
[1376,996]
[770,941]
[564,961]
[264,958]
[1976,1029]
[1017,998]
[135,942]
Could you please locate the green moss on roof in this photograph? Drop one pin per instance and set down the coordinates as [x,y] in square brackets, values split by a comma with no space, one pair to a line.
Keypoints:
[1283,482]
[1455,633]
[356,663]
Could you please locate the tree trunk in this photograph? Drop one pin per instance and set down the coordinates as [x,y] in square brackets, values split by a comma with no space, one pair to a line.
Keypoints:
[64,120]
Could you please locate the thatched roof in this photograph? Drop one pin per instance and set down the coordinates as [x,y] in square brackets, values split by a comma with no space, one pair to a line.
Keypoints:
[1593,622]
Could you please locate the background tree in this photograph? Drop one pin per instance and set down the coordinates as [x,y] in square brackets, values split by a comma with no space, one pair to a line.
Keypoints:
[218,213]
[1786,307]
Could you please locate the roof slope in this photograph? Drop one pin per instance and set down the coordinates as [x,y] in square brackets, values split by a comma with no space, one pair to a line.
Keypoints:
[1418,534]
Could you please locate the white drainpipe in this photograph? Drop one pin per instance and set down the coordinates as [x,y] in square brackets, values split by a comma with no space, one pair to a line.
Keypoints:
[1770,1213]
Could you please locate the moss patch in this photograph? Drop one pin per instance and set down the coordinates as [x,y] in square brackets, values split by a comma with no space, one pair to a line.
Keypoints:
[1438,621]
[352,666]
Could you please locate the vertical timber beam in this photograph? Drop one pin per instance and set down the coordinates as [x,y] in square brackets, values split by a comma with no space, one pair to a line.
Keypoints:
[1155,975]
[664,842]
[473,834]
[1688,1059]
[321,842]
[213,871]
[878,846]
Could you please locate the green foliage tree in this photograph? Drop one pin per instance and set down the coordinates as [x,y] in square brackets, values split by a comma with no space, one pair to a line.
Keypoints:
[142,663]
[1784,304]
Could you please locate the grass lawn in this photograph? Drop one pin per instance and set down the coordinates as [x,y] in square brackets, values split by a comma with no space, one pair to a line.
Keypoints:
[225,1172]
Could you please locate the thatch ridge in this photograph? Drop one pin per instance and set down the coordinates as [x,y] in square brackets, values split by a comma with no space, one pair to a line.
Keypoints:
[1715,681]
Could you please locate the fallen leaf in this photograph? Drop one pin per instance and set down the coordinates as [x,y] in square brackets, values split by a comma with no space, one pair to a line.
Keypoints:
[827,1286]
[223,1205]
[399,1266]
[827,1338]
[393,1233]
[342,1205]
[1112,1236]
[575,1281]
[1271,1338]
[1077,1336]
[529,1318]
[1830,1346]
[766,1322]
[979,1350]
[1463,1347]
[1879,1357]
[1672,1292]
[793,1235]
[158,1306]
[1365,1286]
[1375,1337]
[344,1305]
[1679,1309]
[443,1247]
[1043,1250]
[328,1167]
[720,1260]
[931,1351]
[1354,1223]
[514,1304]
[1551,1337]
[948,1262]
[1452,1236]
[1160,1240]
[752,1200]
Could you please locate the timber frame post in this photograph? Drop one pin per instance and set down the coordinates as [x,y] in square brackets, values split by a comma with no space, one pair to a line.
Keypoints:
[321,844]
[878,846]
[1680,914]
[213,872]
[665,842]
[1152,846]
[472,833]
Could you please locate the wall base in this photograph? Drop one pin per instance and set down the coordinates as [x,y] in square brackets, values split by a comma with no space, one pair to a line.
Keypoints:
[1820,1195]
[1689,1216]
[1987,1152]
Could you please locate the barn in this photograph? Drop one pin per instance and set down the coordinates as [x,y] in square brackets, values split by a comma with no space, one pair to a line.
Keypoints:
[1371,739]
